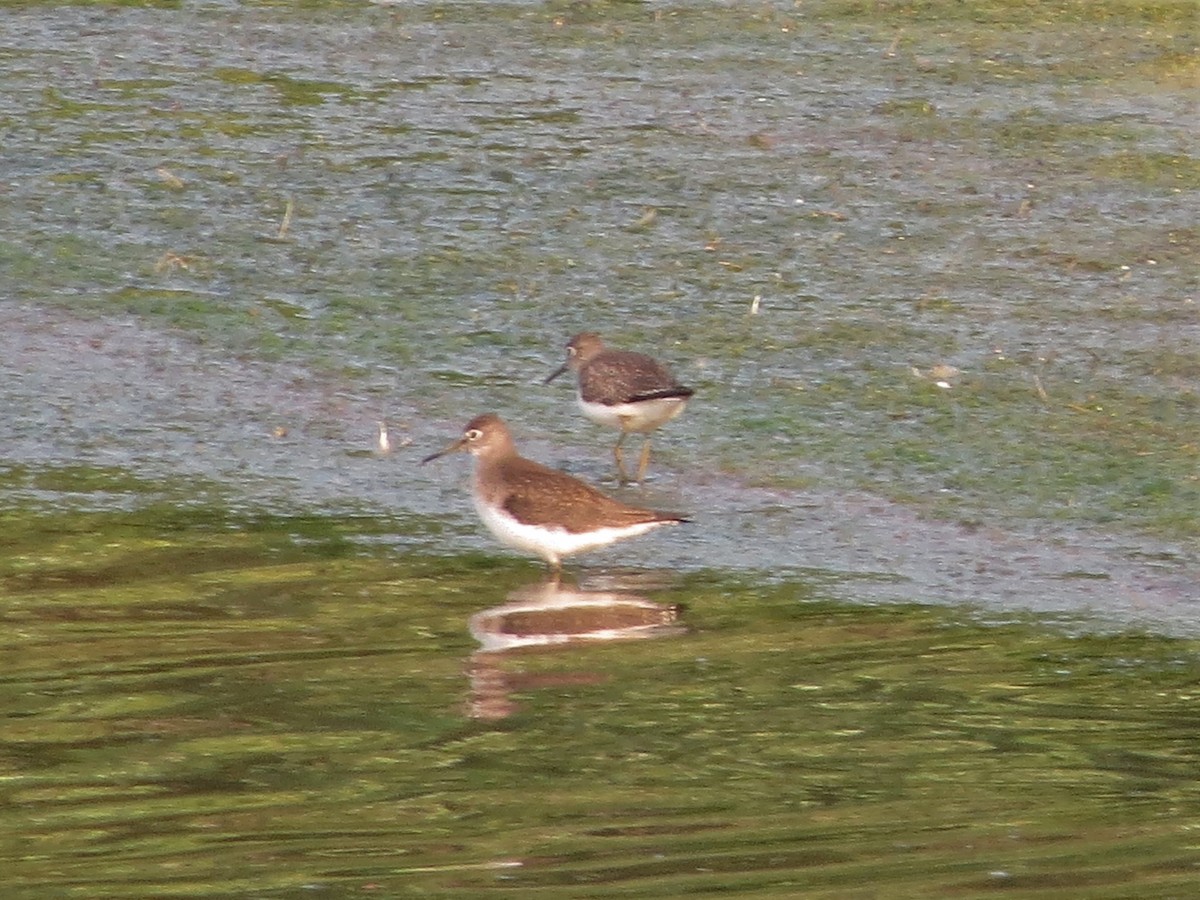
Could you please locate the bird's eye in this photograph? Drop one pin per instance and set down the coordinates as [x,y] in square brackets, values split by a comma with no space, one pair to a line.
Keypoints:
[572,351]
[474,434]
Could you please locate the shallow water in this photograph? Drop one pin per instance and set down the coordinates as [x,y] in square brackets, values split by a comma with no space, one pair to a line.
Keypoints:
[933,274]
[258,707]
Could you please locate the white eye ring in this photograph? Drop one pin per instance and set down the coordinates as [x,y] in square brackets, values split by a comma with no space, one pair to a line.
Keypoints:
[474,434]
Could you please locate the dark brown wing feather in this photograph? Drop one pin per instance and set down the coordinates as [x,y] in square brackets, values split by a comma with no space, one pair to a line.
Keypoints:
[679,391]
[621,376]
[537,495]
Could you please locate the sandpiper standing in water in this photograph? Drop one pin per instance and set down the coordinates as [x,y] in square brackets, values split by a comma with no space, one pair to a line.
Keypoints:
[623,389]
[537,509]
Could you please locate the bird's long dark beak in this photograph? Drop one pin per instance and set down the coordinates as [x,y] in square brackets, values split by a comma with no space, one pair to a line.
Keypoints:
[453,446]
[557,372]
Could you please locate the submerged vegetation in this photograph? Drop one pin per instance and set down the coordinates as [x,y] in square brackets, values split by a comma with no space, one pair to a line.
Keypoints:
[944,254]
[271,705]
[927,185]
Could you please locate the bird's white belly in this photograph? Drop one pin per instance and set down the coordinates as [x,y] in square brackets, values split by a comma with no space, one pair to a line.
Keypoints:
[548,542]
[645,415]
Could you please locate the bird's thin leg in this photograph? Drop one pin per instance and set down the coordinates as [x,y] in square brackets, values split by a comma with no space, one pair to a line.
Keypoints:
[644,461]
[619,458]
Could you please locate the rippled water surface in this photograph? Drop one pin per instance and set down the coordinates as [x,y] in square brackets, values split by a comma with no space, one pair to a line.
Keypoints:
[932,271]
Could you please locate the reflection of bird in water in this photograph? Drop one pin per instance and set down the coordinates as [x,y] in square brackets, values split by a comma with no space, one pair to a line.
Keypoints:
[555,613]
[549,615]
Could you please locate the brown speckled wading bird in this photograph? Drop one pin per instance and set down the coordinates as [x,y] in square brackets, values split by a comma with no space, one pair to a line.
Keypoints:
[623,389]
[540,510]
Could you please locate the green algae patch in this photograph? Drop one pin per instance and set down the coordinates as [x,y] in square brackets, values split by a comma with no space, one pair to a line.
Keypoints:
[1162,170]
[274,702]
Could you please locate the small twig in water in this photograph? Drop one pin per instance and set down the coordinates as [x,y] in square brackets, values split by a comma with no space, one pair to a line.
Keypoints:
[1041,391]
[169,178]
[287,220]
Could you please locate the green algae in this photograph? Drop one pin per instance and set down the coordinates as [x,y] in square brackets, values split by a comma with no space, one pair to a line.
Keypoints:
[179,677]
[210,702]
